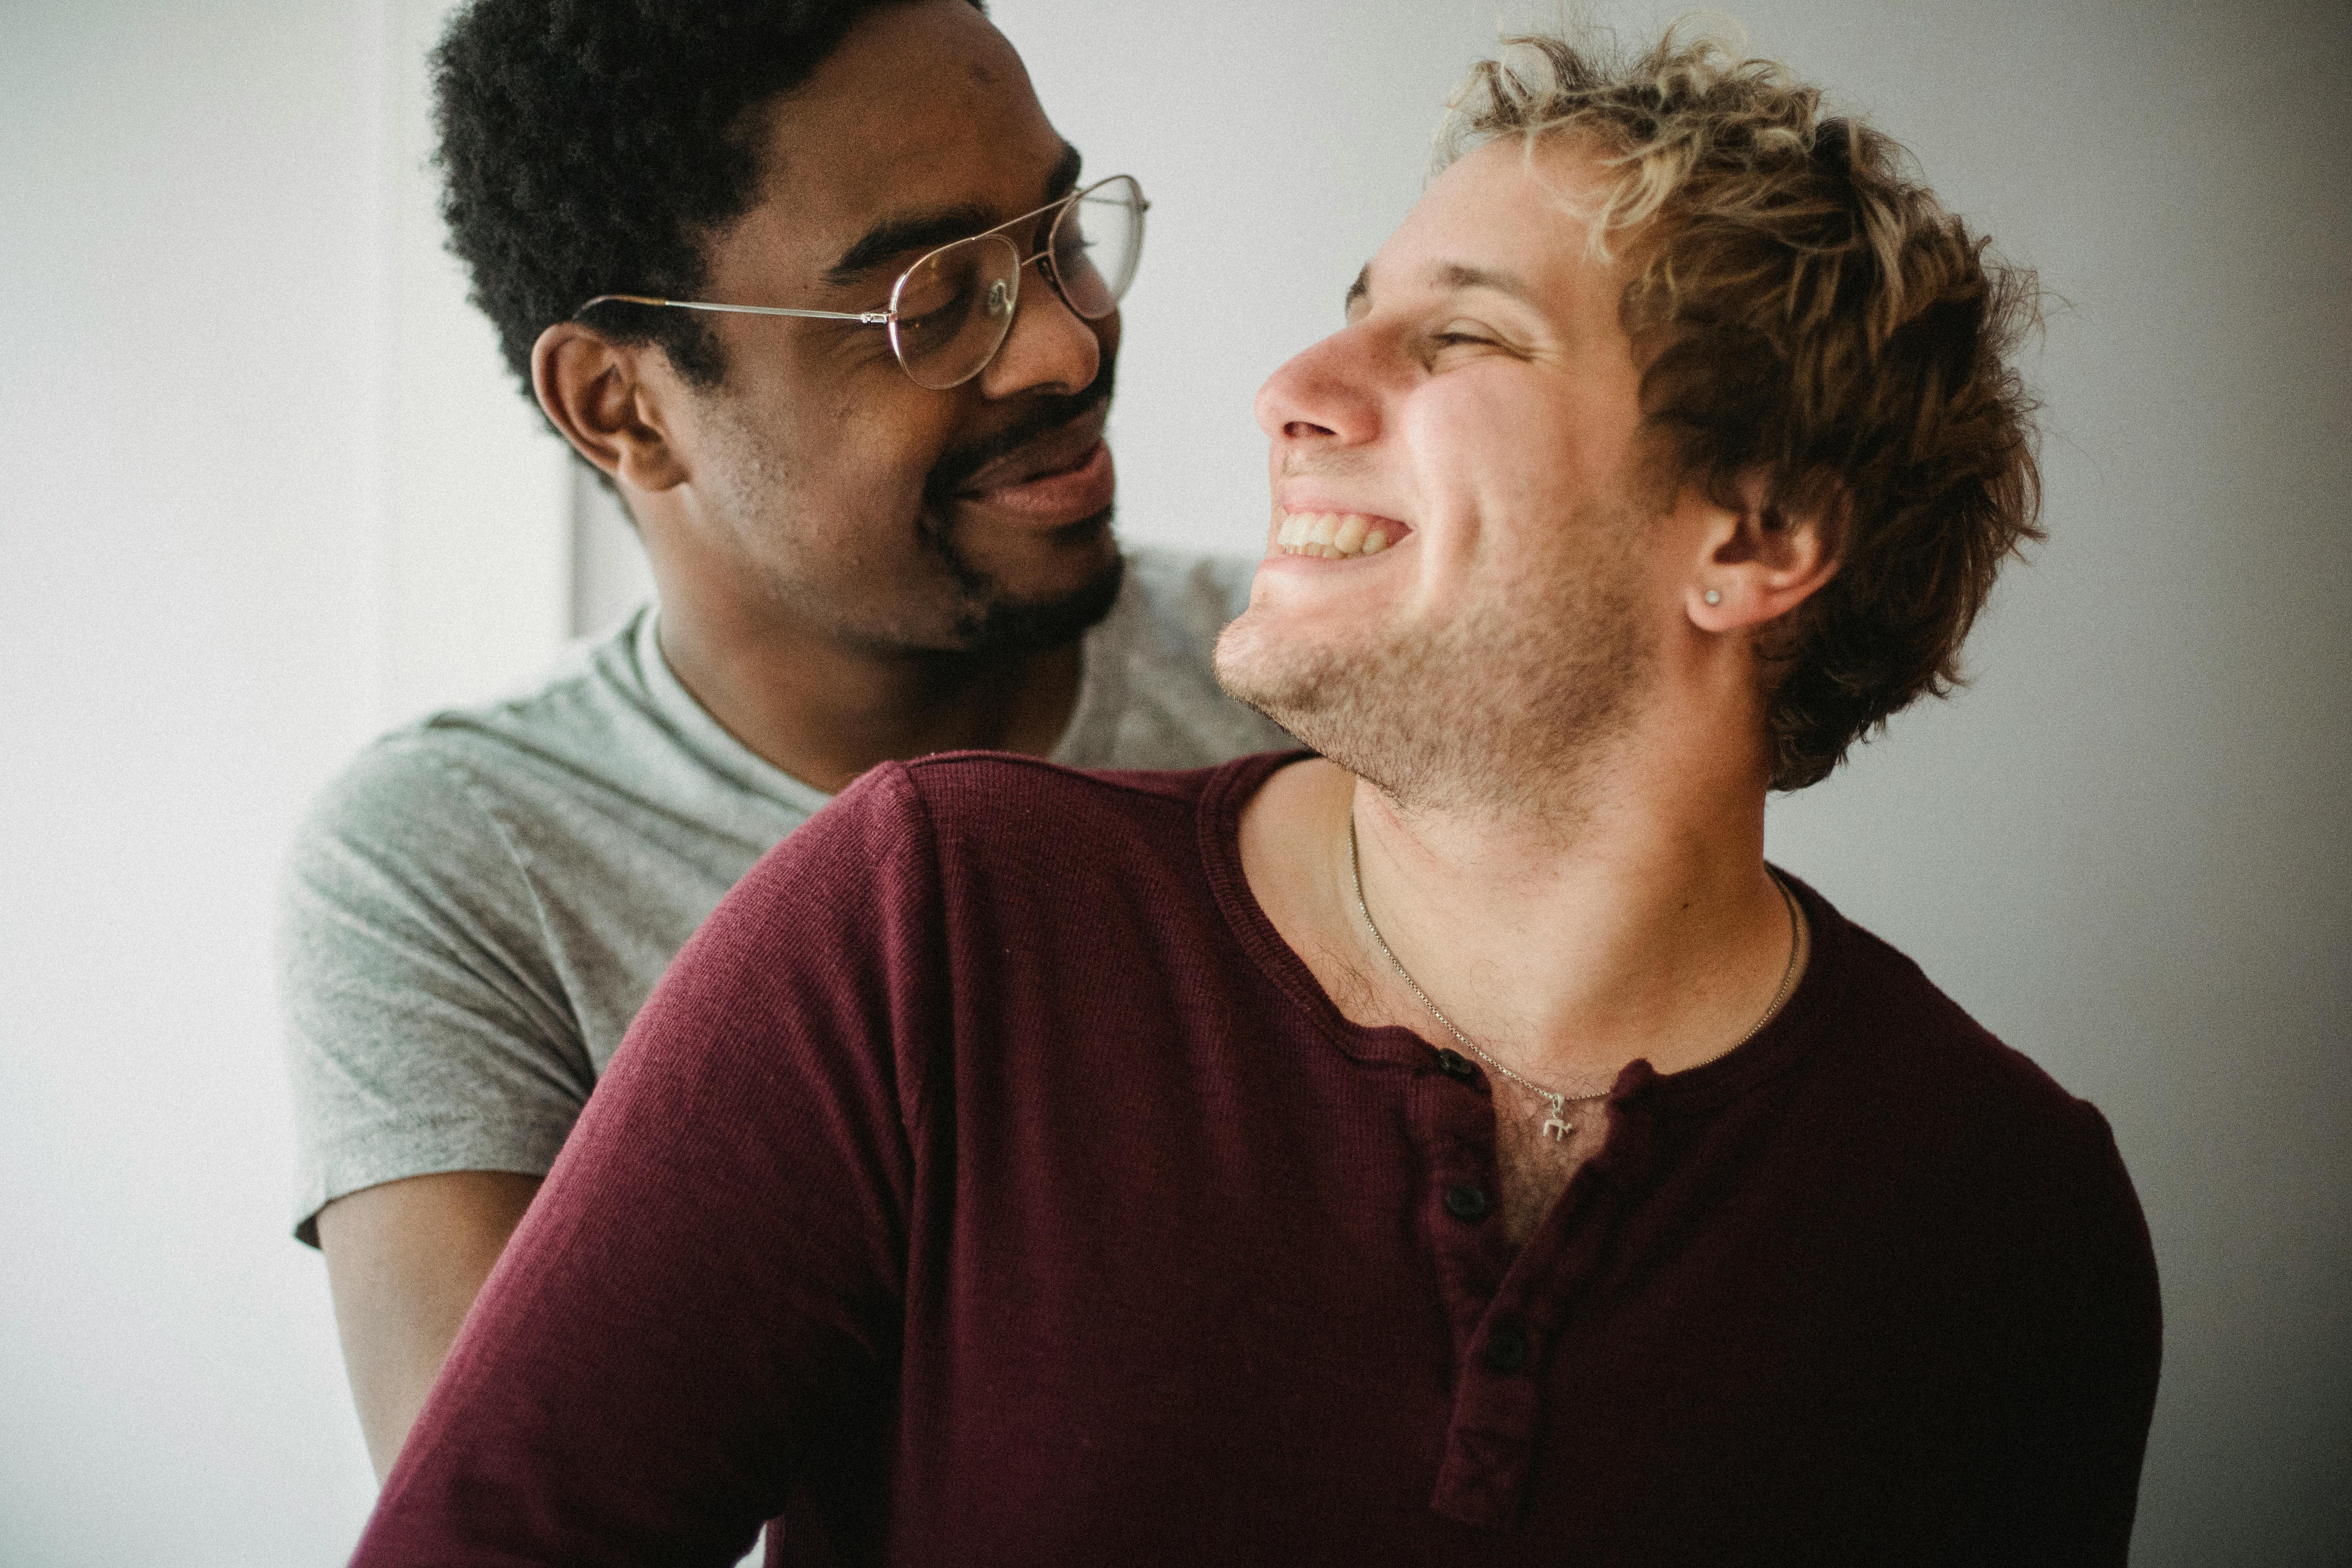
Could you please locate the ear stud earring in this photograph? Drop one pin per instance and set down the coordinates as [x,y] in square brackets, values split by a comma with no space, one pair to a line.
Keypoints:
[1715,595]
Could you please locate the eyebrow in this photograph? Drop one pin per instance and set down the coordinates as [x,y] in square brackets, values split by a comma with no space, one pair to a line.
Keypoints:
[911,233]
[1451,276]
[1455,275]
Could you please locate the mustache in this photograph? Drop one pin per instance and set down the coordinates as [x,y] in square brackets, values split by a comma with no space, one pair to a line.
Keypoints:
[955,469]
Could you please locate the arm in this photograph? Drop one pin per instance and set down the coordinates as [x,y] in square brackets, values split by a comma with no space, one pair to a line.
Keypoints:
[434,1068]
[2075,1476]
[703,1304]
[405,1260]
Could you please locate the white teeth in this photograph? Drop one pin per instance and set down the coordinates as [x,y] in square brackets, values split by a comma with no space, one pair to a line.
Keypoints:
[1334,536]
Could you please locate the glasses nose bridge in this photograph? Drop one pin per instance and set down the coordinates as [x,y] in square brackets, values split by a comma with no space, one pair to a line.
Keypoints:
[1045,261]
[1042,258]
[1044,255]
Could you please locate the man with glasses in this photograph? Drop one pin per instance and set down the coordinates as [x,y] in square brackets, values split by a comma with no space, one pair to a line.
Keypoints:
[821,292]
[1458,1147]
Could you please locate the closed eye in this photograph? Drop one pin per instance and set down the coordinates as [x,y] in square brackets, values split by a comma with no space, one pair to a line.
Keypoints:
[1465,336]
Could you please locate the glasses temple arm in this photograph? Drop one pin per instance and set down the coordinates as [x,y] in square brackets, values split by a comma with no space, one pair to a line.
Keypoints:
[864,318]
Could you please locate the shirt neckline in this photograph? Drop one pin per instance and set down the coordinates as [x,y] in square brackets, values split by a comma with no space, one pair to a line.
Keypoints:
[1804,1018]
[700,733]
[698,730]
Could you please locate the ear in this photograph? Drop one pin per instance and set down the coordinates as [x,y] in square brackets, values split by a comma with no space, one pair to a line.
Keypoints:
[1755,566]
[609,400]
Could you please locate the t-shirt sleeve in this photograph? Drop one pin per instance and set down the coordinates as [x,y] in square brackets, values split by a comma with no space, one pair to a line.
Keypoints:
[706,1298]
[424,1030]
[2074,1482]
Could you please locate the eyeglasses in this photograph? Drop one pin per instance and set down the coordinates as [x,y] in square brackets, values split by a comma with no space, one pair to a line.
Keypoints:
[950,312]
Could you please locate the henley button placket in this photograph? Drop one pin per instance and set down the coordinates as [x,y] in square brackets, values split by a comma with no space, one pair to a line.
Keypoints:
[1499,1400]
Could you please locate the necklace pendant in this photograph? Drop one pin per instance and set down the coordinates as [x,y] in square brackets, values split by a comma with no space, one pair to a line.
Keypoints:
[1555,1126]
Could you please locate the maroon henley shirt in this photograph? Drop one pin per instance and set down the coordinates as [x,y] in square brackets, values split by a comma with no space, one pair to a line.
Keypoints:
[987,1184]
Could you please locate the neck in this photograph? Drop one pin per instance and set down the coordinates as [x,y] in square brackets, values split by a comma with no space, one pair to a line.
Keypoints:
[1640,926]
[825,713]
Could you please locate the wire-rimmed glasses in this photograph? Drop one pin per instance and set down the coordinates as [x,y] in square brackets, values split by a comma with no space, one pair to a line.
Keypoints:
[950,312]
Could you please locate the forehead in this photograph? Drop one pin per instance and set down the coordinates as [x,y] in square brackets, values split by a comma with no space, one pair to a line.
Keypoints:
[1502,213]
[922,108]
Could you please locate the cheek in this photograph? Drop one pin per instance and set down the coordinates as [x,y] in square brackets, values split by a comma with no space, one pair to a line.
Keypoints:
[841,413]
[1491,451]
[829,479]
[859,452]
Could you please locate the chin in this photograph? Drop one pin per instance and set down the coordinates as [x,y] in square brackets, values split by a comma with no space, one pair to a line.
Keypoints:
[997,623]
[1405,714]
[1307,688]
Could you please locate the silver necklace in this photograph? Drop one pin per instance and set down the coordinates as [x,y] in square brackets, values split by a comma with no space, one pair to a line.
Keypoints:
[1557,1125]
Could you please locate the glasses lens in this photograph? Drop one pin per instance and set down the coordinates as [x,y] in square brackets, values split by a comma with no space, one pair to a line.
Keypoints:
[1096,244]
[953,308]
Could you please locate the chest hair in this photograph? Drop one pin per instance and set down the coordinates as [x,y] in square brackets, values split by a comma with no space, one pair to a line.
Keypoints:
[1532,1168]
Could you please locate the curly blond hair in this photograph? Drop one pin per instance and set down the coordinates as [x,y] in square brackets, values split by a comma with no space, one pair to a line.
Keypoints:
[1805,312]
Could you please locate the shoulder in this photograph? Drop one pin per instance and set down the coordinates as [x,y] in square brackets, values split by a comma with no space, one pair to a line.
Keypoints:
[1952,1120]
[409,857]
[1005,788]
[2011,1185]
[1972,1179]
[905,830]
[1005,805]
[1903,1035]
[445,781]
[985,807]
[408,799]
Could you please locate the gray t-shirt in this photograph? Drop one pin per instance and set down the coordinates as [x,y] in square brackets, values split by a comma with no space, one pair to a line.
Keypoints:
[476,908]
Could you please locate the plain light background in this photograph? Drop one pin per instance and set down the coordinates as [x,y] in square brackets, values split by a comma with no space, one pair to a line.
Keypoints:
[268,491]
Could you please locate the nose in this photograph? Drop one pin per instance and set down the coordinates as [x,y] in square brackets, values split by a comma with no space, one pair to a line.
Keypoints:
[1323,394]
[1050,348]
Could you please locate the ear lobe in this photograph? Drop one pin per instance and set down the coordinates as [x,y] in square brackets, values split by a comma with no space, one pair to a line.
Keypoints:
[592,390]
[1760,562]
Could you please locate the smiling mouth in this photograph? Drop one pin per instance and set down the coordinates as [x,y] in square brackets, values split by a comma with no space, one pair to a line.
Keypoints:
[1054,455]
[1337,535]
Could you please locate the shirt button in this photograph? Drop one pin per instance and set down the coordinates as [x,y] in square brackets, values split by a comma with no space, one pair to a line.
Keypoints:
[1455,1066]
[1466,1201]
[1506,1349]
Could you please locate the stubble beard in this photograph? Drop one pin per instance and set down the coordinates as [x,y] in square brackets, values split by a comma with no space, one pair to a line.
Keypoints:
[992,623]
[1508,708]
[986,623]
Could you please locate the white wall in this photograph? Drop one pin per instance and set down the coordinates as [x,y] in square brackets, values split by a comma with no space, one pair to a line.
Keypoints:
[192,252]
[271,491]
[477,578]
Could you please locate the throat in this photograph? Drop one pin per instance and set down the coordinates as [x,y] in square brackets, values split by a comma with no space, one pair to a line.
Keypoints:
[1533,1166]
[825,714]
